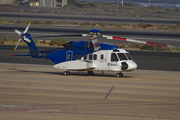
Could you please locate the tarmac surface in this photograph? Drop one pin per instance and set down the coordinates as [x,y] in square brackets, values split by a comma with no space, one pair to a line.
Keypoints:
[31,89]
[40,92]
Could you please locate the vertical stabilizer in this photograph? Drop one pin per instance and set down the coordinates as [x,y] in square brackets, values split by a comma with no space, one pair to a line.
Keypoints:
[32,46]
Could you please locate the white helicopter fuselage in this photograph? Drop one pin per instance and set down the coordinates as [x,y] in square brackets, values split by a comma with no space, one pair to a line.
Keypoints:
[117,60]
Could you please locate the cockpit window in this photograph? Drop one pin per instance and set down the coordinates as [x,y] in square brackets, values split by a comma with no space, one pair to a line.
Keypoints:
[129,56]
[114,57]
[122,56]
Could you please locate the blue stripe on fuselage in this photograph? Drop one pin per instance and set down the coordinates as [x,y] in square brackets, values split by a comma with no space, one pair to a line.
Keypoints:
[60,56]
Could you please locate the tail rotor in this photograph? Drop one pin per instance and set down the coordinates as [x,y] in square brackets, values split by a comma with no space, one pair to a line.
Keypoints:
[22,35]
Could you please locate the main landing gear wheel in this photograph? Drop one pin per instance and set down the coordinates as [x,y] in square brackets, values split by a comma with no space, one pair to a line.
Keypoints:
[119,75]
[90,73]
[66,73]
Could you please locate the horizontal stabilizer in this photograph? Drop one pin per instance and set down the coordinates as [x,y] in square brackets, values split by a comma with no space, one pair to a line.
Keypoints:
[25,55]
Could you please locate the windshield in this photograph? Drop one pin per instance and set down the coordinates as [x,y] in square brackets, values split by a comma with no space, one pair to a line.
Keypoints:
[114,57]
[122,56]
[129,56]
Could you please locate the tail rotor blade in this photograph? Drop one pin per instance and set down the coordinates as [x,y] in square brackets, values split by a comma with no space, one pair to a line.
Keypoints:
[25,31]
[17,44]
[17,31]
[26,39]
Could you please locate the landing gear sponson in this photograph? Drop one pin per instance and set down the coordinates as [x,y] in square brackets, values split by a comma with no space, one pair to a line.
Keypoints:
[92,73]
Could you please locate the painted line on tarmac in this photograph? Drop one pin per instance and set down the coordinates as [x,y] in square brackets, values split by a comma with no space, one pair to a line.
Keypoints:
[109,92]
[88,114]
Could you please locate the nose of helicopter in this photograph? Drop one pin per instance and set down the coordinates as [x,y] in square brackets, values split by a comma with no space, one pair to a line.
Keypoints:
[129,65]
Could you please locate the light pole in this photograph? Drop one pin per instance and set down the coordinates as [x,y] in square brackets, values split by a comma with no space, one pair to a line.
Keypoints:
[149,3]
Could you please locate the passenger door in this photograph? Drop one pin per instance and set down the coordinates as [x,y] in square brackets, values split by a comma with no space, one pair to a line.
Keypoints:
[69,57]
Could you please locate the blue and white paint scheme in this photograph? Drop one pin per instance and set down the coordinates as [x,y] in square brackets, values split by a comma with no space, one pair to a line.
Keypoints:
[83,55]
[108,58]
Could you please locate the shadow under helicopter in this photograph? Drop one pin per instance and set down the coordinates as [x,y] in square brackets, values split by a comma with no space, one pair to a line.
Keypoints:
[73,73]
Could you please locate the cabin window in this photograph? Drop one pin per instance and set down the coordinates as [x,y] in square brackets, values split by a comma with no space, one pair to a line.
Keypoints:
[69,56]
[95,57]
[75,56]
[129,56]
[102,56]
[114,57]
[122,56]
[85,56]
[79,56]
[90,57]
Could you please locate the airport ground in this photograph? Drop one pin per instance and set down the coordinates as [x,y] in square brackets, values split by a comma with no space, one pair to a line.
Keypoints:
[40,92]
[31,89]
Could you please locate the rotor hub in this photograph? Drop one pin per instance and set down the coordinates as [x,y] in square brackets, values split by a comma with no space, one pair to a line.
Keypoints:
[95,32]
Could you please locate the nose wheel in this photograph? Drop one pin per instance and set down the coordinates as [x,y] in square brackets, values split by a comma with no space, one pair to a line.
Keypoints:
[119,75]
[66,73]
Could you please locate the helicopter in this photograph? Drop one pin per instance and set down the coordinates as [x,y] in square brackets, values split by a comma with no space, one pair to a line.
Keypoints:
[87,56]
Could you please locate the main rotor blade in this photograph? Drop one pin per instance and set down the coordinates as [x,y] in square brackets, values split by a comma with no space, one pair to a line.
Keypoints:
[25,31]
[17,44]
[136,41]
[77,35]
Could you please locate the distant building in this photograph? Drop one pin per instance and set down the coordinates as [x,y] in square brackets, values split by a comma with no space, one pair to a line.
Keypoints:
[6,1]
[45,3]
[52,3]
[64,2]
[48,3]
